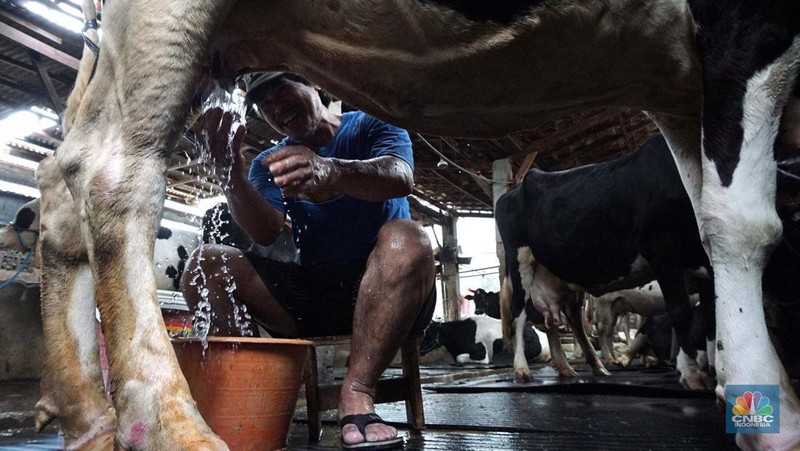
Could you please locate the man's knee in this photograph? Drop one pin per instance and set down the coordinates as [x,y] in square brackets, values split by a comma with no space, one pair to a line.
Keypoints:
[204,263]
[405,250]
[406,238]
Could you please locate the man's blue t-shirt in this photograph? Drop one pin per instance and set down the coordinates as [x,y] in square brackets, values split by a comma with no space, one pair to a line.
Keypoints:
[335,229]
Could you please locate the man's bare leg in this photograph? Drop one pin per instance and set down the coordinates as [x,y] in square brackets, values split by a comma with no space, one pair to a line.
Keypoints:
[398,279]
[217,268]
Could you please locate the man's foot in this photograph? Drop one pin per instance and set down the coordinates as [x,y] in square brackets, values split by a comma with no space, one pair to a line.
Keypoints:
[361,427]
[356,436]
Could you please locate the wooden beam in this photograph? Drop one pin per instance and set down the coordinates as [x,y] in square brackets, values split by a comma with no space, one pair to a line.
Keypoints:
[575,131]
[482,201]
[426,214]
[30,68]
[34,28]
[38,46]
[427,199]
[482,184]
[461,162]
[44,78]
[524,167]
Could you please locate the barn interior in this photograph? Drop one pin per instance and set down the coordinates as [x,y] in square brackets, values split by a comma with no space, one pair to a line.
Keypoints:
[466,406]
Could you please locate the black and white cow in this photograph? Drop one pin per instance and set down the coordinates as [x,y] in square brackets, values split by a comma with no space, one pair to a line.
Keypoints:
[170,253]
[477,339]
[603,228]
[488,302]
[22,234]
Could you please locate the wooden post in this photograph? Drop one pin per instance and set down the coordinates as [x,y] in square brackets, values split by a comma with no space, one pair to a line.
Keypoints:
[449,259]
[501,181]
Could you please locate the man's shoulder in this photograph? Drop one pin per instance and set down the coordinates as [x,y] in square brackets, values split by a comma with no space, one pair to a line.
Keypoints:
[359,117]
[364,123]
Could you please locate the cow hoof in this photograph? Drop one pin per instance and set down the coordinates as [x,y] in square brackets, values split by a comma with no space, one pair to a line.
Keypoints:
[46,412]
[101,435]
[698,380]
[42,419]
[601,372]
[623,361]
[693,383]
[523,377]
[101,442]
[567,373]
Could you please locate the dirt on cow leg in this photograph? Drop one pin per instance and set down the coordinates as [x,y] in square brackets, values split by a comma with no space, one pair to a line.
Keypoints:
[71,349]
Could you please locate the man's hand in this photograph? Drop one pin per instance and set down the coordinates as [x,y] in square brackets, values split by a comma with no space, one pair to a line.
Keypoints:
[298,170]
[224,151]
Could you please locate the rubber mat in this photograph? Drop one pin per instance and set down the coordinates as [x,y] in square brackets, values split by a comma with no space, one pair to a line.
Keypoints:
[662,383]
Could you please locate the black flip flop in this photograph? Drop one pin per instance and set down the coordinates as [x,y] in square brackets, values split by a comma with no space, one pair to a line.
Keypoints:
[362,421]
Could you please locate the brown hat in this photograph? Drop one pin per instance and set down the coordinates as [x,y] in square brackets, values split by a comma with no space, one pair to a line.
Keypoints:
[257,81]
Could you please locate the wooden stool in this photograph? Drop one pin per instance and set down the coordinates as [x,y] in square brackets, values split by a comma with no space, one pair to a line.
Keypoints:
[322,392]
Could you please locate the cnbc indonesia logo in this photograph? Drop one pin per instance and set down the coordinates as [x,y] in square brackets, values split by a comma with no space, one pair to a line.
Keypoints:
[753,411]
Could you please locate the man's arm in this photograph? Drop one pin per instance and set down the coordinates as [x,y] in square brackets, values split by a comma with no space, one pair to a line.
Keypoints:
[260,220]
[251,211]
[297,170]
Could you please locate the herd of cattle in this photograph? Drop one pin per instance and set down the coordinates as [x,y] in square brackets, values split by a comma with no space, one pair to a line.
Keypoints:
[621,246]
[633,251]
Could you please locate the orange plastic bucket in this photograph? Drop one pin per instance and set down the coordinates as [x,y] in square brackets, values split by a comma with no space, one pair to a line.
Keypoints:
[245,388]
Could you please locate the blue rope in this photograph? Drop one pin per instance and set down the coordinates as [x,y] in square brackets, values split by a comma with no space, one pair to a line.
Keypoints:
[22,265]
[20,268]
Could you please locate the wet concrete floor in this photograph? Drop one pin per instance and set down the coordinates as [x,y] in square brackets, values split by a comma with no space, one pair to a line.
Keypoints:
[634,409]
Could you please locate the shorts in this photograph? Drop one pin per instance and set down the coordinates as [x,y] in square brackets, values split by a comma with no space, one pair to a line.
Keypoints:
[321,300]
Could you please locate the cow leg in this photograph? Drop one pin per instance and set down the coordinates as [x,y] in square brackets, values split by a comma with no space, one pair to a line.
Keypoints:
[707,307]
[605,327]
[71,350]
[543,289]
[558,356]
[637,346]
[626,326]
[522,372]
[738,218]
[572,308]
[114,164]
[676,299]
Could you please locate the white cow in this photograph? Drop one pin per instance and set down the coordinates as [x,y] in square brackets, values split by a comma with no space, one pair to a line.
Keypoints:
[478,69]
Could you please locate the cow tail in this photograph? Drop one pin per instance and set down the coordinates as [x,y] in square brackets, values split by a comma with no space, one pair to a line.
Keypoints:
[506,318]
[86,66]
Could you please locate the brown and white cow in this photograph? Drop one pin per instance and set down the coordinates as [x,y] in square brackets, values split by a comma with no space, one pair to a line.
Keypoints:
[479,69]
[608,308]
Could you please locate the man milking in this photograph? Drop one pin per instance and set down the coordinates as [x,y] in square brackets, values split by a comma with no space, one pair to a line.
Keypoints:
[364,266]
